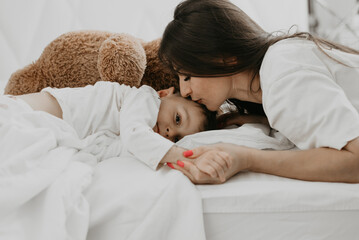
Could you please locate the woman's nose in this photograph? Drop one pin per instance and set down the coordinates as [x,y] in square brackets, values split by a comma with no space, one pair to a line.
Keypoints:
[185,88]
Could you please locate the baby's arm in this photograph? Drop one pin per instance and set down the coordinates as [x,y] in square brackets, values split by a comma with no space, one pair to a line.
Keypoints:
[91,109]
[174,154]
[43,101]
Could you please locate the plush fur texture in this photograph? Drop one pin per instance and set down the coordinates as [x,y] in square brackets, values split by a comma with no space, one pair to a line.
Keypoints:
[77,59]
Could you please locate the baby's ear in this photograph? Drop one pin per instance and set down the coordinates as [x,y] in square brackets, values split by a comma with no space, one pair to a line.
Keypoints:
[166,92]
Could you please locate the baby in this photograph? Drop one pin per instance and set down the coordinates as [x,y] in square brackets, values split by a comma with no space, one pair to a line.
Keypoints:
[148,122]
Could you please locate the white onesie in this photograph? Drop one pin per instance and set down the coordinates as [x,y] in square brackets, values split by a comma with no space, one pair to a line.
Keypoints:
[126,111]
[308,97]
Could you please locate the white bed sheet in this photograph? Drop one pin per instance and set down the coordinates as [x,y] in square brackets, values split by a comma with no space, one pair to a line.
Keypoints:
[248,206]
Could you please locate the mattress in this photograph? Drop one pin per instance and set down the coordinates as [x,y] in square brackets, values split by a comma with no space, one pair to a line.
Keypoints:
[261,206]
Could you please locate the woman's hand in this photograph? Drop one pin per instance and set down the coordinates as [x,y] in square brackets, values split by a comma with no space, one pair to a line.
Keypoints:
[194,174]
[234,118]
[214,163]
[199,167]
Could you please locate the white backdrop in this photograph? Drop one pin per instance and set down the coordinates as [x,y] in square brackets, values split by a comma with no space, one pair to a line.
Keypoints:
[26,27]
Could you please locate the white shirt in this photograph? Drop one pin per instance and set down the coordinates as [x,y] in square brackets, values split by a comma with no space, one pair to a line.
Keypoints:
[308,97]
[109,106]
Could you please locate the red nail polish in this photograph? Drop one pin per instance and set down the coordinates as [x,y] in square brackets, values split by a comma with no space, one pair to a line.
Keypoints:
[170,165]
[188,153]
[180,163]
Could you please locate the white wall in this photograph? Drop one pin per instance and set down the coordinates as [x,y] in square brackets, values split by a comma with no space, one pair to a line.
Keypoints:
[338,21]
[26,27]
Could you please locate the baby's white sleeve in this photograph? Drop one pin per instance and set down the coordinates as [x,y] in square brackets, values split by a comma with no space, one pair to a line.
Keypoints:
[138,116]
[92,108]
[310,109]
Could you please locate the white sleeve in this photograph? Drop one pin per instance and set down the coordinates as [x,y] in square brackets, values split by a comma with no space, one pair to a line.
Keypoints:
[310,109]
[138,116]
[92,108]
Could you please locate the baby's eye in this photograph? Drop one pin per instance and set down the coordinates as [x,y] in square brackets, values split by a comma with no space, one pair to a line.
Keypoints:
[178,119]
[187,78]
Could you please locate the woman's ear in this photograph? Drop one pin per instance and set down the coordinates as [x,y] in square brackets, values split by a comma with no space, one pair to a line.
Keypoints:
[166,92]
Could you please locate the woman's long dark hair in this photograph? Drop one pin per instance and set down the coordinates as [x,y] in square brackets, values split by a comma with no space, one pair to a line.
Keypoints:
[205,32]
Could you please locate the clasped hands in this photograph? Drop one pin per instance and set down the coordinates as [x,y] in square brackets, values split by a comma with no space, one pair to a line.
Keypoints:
[211,164]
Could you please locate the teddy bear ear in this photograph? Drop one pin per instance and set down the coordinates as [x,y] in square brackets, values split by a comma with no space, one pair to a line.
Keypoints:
[122,59]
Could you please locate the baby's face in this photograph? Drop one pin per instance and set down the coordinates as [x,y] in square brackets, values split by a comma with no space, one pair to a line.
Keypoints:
[178,117]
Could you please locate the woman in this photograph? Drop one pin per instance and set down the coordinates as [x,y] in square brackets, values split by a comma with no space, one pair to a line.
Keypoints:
[307,87]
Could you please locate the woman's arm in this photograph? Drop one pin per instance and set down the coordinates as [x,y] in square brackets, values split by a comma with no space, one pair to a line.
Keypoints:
[320,164]
[43,101]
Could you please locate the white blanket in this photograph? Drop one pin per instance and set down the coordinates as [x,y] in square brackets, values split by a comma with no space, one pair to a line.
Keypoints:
[45,168]
[42,176]
[130,201]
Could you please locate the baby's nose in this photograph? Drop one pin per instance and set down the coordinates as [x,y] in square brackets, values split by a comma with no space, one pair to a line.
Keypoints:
[169,134]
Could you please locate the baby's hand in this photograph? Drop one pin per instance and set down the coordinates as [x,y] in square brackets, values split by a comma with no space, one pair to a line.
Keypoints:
[215,163]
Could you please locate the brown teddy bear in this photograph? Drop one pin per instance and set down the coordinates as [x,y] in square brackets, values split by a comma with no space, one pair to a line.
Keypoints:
[77,59]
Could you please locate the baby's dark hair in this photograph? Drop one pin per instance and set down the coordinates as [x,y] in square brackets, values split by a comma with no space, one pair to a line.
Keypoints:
[210,122]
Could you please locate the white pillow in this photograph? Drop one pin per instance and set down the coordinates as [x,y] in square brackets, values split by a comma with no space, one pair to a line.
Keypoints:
[256,135]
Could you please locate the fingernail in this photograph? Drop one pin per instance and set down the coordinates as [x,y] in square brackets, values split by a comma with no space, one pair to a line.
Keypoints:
[180,163]
[188,153]
[170,165]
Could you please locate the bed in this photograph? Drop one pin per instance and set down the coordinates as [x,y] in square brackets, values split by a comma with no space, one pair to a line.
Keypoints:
[58,192]
[253,206]
[121,198]
[248,206]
